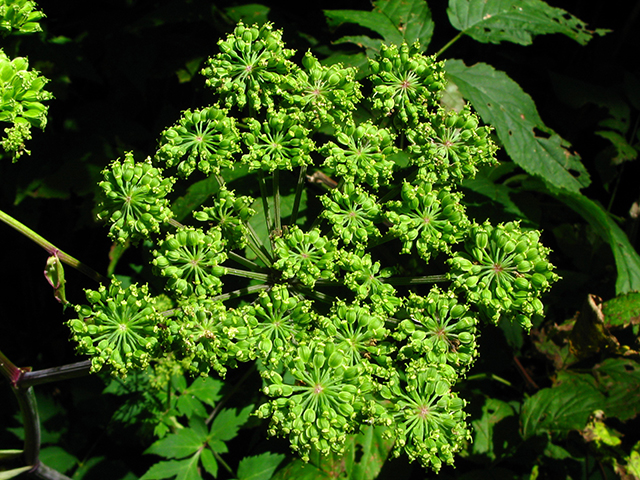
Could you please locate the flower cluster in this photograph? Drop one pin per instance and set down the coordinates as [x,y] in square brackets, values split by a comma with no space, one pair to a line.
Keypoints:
[352,212]
[21,96]
[324,226]
[504,271]
[405,82]
[134,199]
[250,68]
[325,94]
[118,328]
[206,139]
[190,260]
[433,219]
[363,154]
[451,144]
[305,256]
[19,17]
[280,142]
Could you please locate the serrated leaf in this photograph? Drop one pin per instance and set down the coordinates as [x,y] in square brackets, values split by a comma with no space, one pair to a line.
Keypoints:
[622,310]
[627,259]
[226,424]
[177,445]
[259,467]
[209,462]
[411,17]
[503,104]
[206,390]
[376,21]
[517,21]
[188,404]
[562,408]
[301,471]
[619,380]
[191,471]
[493,411]
[166,469]
[396,21]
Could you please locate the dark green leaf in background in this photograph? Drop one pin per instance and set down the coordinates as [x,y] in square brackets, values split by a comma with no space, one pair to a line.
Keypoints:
[619,380]
[517,21]
[259,467]
[502,103]
[562,408]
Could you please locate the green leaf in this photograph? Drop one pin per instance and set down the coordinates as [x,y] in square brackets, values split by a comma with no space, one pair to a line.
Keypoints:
[624,151]
[259,467]
[562,408]
[301,471]
[619,380]
[517,21]
[396,21]
[250,14]
[188,405]
[493,411]
[209,462]
[502,103]
[226,424]
[167,469]
[411,17]
[499,193]
[375,449]
[627,259]
[206,390]
[622,310]
[177,445]
[58,459]
[191,470]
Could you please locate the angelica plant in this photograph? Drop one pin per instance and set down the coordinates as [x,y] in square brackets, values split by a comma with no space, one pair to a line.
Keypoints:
[329,288]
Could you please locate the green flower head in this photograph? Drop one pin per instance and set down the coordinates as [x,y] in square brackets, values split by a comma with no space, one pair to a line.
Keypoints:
[134,199]
[251,66]
[406,83]
[504,271]
[191,260]
[206,139]
[118,328]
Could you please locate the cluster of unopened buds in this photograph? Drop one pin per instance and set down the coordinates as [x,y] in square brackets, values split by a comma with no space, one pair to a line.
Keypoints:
[329,288]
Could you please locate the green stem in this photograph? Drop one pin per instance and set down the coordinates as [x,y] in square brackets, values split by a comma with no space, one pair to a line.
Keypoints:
[449,43]
[232,392]
[244,261]
[415,280]
[276,202]
[224,464]
[241,292]
[302,178]
[247,274]
[256,247]
[52,249]
[490,376]
[174,223]
[265,201]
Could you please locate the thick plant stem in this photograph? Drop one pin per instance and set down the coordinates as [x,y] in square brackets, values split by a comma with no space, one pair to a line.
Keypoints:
[52,249]
[47,375]
[247,274]
[415,280]
[23,391]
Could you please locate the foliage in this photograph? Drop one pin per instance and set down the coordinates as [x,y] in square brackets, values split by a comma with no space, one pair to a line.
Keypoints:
[284,240]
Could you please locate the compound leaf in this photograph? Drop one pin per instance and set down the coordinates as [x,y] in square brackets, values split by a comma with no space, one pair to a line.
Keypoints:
[502,103]
[166,469]
[226,424]
[177,445]
[259,467]
[517,21]
[493,411]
